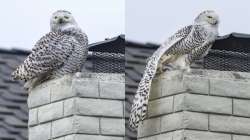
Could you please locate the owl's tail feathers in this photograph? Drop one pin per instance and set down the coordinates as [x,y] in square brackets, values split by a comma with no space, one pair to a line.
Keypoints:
[19,73]
[139,107]
[16,75]
[140,104]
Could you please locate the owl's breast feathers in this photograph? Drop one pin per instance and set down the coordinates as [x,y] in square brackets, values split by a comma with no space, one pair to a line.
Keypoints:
[51,54]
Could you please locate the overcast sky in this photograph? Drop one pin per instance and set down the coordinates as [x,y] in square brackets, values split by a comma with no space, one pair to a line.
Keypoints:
[155,20]
[23,22]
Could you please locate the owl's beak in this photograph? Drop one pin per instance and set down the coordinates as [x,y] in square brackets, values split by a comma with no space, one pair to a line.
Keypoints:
[61,20]
[216,22]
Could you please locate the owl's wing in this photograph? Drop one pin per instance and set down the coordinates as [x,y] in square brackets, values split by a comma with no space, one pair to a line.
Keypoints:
[201,51]
[139,107]
[49,53]
[171,42]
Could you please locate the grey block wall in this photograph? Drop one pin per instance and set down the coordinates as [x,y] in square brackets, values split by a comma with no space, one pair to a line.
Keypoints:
[200,105]
[79,107]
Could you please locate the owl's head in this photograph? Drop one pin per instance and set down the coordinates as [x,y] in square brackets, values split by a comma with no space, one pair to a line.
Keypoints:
[62,20]
[207,17]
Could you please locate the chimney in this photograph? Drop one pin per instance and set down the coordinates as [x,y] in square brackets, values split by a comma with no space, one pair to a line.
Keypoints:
[200,105]
[84,106]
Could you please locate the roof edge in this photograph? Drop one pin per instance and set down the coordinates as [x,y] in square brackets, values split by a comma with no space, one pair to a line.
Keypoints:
[18,51]
[150,45]
[235,35]
[107,40]
[14,51]
[147,45]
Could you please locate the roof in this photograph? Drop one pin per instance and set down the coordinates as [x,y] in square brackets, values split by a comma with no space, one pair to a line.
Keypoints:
[13,98]
[112,45]
[13,107]
[232,41]
[235,35]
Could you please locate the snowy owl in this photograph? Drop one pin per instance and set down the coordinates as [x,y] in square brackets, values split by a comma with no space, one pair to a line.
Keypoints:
[179,51]
[61,51]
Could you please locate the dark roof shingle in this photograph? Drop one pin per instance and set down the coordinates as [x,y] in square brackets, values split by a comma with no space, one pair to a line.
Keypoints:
[13,107]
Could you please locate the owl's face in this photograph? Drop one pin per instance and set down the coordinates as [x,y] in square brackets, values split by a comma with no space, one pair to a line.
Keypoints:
[209,17]
[61,19]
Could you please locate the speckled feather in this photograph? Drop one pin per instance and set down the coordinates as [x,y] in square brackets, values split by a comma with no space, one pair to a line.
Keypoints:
[62,51]
[55,54]
[191,42]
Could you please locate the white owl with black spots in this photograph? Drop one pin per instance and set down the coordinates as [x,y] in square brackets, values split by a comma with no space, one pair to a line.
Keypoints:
[62,51]
[178,52]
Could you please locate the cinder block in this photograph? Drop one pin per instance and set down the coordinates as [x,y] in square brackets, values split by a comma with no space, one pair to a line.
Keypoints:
[240,137]
[160,106]
[50,112]
[62,88]
[172,122]
[40,132]
[184,120]
[193,120]
[171,87]
[196,84]
[91,137]
[85,87]
[199,135]
[241,75]
[171,75]
[216,74]
[172,83]
[62,127]
[230,88]
[164,136]
[75,124]
[241,107]
[115,127]
[69,106]
[38,96]
[202,103]
[33,120]
[89,125]
[97,107]
[112,77]
[178,135]
[155,91]
[112,90]
[61,138]
[229,124]
[70,137]
[149,127]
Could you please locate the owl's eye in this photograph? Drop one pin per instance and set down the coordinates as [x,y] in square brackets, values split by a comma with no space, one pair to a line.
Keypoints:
[209,16]
[55,17]
[66,17]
